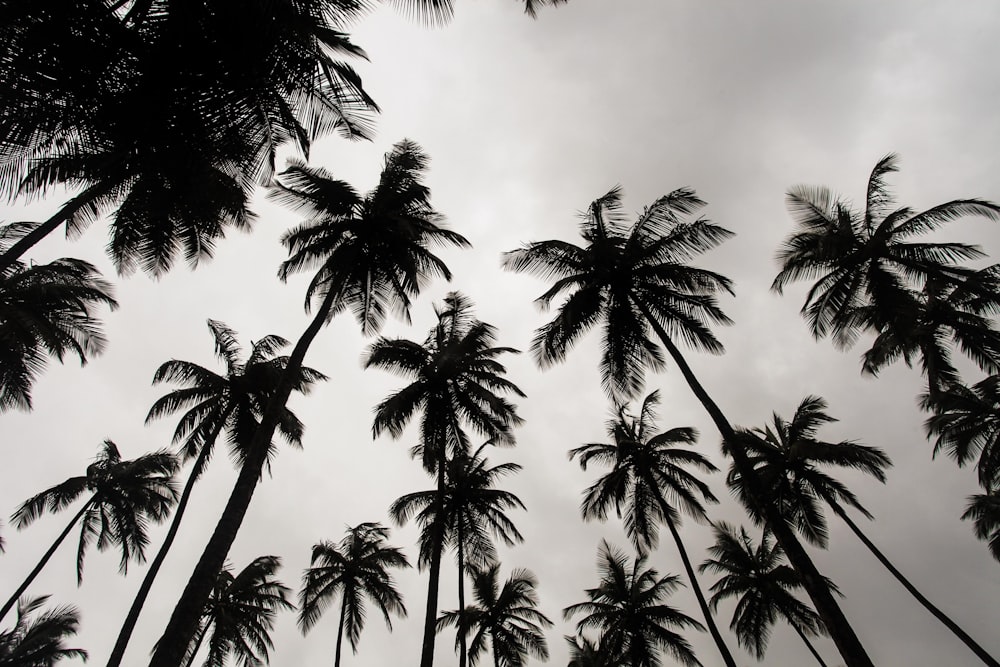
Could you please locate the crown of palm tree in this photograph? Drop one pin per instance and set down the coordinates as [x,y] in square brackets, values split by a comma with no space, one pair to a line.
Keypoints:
[966,426]
[984,510]
[630,277]
[39,641]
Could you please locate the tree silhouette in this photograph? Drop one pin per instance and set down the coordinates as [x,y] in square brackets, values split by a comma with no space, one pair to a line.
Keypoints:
[965,422]
[627,609]
[124,497]
[984,510]
[647,469]
[39,641]
[355,569]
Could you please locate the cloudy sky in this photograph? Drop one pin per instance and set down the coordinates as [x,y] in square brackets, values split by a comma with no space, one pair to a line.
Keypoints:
[526,122]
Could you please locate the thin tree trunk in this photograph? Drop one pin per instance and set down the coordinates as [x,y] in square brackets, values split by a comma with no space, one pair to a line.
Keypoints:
[463,644]
[183,621]
[125,634]
[840,630]
[65,212]
[45,559]
[434,578]
[812,649]
[912,590]
[727,657]
[340,629]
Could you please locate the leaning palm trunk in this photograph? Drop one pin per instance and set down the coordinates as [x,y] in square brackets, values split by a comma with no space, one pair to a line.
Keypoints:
[118,652]
[805,640]
[463,647]
[727,657]
[434,579]
[340,631]
[184,620]
[840,630]
[42,563]
[912,590]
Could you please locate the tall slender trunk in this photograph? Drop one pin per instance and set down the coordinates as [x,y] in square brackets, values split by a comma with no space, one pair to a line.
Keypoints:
[463,647]
[937,613]
[184,619]
[812,649]
[727,657]
[434,578]
[340,629]
[125,634]
[840,630]
[65,212]
[45,559]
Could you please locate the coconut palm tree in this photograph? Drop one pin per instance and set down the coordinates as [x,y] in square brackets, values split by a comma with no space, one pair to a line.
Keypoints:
[965,423]
[372,255]
[789,459]
[124,497]
[232,402]
[218,87]
[648,468]
[865,262]
[466,516]
[984,510]
[636,277]
[47,310]
[507,617]
[457,379]
[355,569]
[239,615]
[627,609]
[39,641]
[764,586]
[584,652]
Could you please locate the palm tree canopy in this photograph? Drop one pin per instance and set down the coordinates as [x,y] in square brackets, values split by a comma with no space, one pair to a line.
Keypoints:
[627,611]
[864,261]
[372,252]
[39,641]
[456,379]
[625,276]
[583,652]
[788,458]
[240,613]
[46,310]
[984,510]
[646,467]
[966,426]
[763,584]
[356,568]
[507,617]
[125,496]
[233,401]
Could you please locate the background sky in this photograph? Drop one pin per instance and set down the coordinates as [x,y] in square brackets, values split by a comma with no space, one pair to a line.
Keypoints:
[527,122]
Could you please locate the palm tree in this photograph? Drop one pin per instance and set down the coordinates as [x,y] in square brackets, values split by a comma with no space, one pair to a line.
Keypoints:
[47,310]
[788,459]
[373,254]
[240,614]
[633,278]
[984,510]
[457,379]
[464,515]
[356,569]
[231,402]
[764,586]
[508,617]
[217,90]
[647,469]
[125,496]
[586,653]
[865,262]
[627,610]
[966,423]
[39,641]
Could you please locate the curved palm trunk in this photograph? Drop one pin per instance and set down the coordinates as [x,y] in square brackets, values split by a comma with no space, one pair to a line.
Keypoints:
[118,652]
[434,579]
[67,211]
[805,640]
[840,630]
[340,630]
[912,590]
[184,619]
[727,657]
[463,648]
[45,559]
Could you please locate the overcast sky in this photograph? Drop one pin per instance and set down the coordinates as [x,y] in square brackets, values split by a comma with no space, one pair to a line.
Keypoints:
[527,122]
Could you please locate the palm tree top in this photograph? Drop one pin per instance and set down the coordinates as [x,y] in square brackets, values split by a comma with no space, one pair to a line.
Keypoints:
[38,641]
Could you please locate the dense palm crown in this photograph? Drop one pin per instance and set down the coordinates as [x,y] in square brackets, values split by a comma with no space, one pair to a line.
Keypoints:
[356,568]
[507,617]
[239,615]
[763,585]
[47,310]
[966,426]
[39,641]
[631,277]
[865,262]
[627,611]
